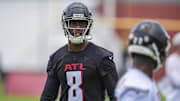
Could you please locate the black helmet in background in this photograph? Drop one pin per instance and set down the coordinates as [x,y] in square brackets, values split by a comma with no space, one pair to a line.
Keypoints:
[149,38]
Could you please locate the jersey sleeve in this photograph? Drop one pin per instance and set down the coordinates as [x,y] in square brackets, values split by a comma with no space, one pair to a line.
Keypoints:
[131,94]
[110,81]
[51,87]
[50,90]
[51,69]
[109,76]
[54,60]
[107,65]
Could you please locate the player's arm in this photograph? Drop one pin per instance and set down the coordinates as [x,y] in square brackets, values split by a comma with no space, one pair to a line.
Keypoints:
[51,88]
[109,76]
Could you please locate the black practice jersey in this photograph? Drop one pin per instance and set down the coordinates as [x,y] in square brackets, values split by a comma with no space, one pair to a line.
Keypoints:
[82,76]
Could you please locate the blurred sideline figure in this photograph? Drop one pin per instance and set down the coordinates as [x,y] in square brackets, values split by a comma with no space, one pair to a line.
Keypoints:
[1,71]
[148,45]
[173,71]
[83,69]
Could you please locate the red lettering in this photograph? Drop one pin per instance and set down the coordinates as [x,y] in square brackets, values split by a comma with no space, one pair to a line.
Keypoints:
[74,65]
[81,66]
[67,67]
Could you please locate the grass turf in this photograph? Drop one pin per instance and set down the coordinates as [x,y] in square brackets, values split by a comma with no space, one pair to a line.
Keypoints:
[5,97]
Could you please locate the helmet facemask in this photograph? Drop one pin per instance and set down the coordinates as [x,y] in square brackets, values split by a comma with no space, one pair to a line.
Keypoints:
[77,28]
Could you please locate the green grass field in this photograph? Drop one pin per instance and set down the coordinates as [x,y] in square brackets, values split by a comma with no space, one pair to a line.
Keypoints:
[5,97]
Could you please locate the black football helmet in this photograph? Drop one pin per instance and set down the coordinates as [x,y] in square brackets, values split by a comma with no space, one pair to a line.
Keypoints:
[77,11]
[149,38]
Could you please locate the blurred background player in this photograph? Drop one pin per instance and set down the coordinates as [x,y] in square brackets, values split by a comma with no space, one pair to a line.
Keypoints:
[1,71]
[83,69]
[173,71]
[148,45]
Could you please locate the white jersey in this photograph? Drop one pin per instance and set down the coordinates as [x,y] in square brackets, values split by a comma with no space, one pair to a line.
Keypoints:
[136,86]
[173,75]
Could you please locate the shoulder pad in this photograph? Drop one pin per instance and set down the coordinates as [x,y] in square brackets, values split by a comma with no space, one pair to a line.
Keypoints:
[136,94]
[59,53]
[128,85]
[137,83]
[54,59]
[102,52]
[133,80]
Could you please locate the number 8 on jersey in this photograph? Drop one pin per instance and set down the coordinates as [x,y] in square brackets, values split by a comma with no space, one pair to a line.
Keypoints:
[74,80]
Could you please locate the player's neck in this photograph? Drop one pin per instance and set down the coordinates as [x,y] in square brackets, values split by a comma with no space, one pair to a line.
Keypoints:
[145,65]
[148,70]
[177,50]
[77,47]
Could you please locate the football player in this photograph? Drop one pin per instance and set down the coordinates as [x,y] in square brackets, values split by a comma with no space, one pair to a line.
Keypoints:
[172,67]
[148,45]
[83,70]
